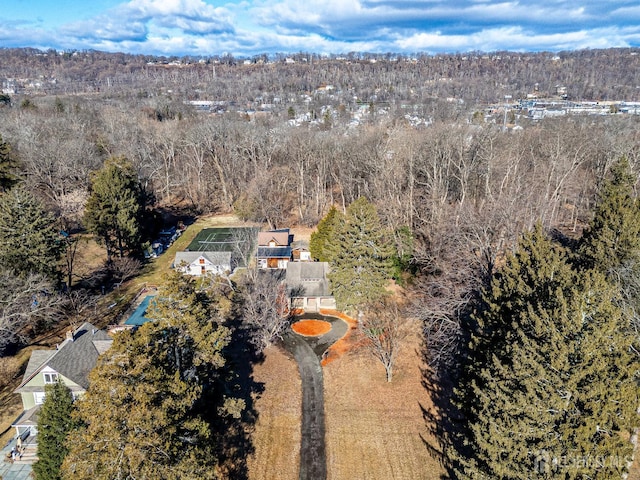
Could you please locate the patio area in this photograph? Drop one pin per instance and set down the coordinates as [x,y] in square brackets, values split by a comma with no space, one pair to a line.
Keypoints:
[13,470]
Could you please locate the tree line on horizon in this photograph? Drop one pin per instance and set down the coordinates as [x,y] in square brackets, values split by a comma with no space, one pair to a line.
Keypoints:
[474,77]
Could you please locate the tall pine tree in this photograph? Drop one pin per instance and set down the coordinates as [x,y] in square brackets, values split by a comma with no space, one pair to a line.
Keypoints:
[611,244]
[29,239]
[550,389]
[115,207]
[8,167]
[151,408]
[54,424]
[613,237]
[360,256]
[323,235]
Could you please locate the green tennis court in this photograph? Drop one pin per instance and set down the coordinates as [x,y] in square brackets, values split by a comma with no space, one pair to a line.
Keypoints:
[240,241]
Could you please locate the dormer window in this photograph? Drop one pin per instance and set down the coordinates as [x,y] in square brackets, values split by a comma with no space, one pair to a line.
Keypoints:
[50,377]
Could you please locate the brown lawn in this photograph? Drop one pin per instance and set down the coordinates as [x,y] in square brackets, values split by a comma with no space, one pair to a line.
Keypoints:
[276,437]
[311,328]
[11,369]
[374,430]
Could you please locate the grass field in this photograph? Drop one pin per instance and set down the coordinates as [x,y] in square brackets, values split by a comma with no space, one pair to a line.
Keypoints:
[374,430]
[276,437]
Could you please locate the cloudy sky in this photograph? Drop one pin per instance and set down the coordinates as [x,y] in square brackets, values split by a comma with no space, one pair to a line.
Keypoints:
[250,27]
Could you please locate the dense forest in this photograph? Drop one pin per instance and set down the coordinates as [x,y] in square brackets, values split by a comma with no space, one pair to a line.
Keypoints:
[474,77]
[462,187]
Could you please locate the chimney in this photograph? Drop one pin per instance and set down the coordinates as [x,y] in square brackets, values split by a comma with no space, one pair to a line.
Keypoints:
[70,335]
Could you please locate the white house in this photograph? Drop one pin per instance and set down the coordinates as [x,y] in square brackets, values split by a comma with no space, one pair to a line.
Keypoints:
[202,263]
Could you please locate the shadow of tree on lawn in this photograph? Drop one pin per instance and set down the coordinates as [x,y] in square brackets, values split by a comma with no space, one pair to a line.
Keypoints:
[236,446]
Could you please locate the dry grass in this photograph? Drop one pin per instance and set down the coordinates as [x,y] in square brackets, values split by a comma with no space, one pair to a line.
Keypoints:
[302,233]
[375,429]
[277,433]
[89,257]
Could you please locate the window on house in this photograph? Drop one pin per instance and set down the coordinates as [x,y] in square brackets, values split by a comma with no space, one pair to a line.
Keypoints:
[38,397]
[203,270]
[50,377]
[202,261]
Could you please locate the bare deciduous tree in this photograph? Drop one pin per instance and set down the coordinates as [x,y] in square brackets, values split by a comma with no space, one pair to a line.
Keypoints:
[80,304]
[124,268]
[265,309]
[26,304]
[384,326]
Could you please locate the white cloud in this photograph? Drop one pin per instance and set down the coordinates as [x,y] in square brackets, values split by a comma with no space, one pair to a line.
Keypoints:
[179,27]
[145,20]
[513,38]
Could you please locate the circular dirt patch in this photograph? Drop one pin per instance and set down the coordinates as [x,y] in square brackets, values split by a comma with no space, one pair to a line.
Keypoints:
[311,328]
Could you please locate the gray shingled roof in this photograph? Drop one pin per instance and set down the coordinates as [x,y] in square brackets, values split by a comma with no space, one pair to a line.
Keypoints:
[311,277]
[74,358]
[217,258]
[37,358]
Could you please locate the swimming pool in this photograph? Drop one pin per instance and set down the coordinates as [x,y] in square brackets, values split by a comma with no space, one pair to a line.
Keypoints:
[138,318]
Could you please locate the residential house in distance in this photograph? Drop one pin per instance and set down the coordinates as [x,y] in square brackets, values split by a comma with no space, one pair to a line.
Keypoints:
[308,286]
[203,263]
[274,248]
[71,362]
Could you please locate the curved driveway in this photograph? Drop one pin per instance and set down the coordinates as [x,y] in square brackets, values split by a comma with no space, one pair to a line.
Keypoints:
[308,353]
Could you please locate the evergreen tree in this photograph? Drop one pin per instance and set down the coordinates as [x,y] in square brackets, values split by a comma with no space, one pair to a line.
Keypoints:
[8,167]
[404,248]
[54,424]
[613,238]
[550,389]
[360,256]
[115,207]
[29,240]
[323,235]
[151,407]
[612,242]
